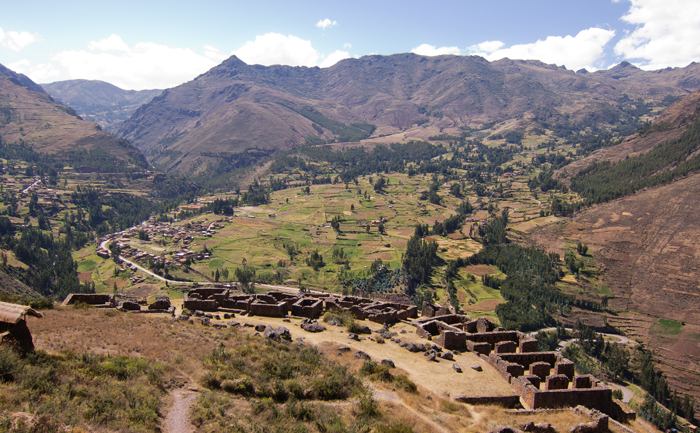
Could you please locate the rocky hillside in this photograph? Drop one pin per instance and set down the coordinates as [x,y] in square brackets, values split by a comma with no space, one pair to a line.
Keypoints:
[645,243]
[235,106]
[668,126]
[98,101]
[32,118]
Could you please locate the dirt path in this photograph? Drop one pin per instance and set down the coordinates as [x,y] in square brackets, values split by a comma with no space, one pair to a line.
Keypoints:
[393,398]
[177,421]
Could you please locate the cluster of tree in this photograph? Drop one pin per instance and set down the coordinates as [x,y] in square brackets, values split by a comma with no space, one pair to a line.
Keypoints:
[453,223]
[315,260]
[256,194]
[344,133]
[532,299]
[381,279]
[545,182]
[97,159]
[418,261]
[494,231]
[605,181]
[51,269]
[355,162]
[338,256]
[246,279]
[109,213]
[222,206]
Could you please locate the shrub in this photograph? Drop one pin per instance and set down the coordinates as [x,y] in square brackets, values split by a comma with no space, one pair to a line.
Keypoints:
[394,427]
[337,385]
[403,382]
[367,406]
[10,365]
[344,318]
[243,386]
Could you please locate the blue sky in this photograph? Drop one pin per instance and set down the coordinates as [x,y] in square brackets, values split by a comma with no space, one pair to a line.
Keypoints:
[159,44]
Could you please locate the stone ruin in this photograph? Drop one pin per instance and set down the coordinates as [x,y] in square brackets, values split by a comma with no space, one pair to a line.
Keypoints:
[13,326]
[96,300]
[375,311]
[431,310]
[311,306]
[541,379]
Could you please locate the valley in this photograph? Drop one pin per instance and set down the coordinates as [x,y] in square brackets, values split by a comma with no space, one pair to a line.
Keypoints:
[526,194]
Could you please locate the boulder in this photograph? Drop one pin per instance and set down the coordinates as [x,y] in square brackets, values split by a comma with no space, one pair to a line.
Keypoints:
[362,355]
[233,324]
[389,363]
[277,334]
[344,349]
[260,328]
[477,368]
[412,348]
[354,337]
[363,330]
[312,327]
[447,355]
[433,357]
[219,325]
[456,368]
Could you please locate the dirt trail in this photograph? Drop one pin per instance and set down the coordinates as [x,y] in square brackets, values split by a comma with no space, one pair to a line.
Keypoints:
[177,421]
[393,398]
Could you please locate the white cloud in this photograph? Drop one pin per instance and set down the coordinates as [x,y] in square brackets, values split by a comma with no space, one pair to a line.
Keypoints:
[40,73]
[430,50]
[214,53]
[112,43]
[276,49]
[17,41]
[585,50]
[347,45]
[486,47]
[334,58]
[325,24]
[146,65]
[666,34]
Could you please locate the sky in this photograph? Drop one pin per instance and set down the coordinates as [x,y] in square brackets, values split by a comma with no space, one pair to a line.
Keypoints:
[157,44]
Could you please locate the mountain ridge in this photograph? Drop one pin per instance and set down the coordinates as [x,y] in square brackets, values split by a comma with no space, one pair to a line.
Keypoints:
[235,106]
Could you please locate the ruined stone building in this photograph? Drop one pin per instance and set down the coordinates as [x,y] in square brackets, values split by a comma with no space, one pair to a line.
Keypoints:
[13,326]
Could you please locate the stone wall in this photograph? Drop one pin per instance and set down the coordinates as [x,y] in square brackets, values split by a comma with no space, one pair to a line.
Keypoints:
[525,359]
[307,307]
[507,401]
[259,308]
[95,299]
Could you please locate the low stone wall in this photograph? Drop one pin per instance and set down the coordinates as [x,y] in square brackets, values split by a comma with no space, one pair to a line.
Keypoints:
[200,304]
[507,401]
[95,299]
[525,359]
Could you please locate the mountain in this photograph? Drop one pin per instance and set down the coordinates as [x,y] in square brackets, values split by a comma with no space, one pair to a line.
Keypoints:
[32,119]
[20,79]
[98,101]
[668,126]
[234,106]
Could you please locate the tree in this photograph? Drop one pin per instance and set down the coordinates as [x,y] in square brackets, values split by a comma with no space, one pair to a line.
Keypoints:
[456,190]
[381,228]
[115,251]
